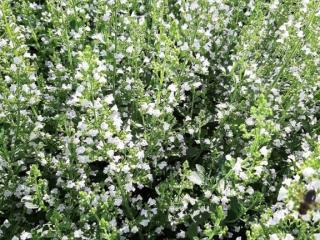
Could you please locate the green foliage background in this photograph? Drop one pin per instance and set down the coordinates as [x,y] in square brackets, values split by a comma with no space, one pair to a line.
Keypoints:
[143,119]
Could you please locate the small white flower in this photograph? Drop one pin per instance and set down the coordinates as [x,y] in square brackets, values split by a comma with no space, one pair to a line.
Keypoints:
[158,230]
[117,202]
[17,60]
[78,233]
[283,192]
[237,166]
[129,49]
[308,172]
[25,235]
[264,151]
[316,236]
[181,234]
[274,5]
[316,216]
[184,47]
[84,66]
[191,131]
[6,223]
[288,237]
[28,202]
[166,126]
[140,155]
[109,99]
[273,237]
[250,190]
[194,6]
[134,229]
[196,84]
[162,165]
[30,205]
[93,132]
[250,121]
[145,222]
[104,126]
[99,37]
[195,178]
[80,150]
[172,87]
[106,16]
[207,194]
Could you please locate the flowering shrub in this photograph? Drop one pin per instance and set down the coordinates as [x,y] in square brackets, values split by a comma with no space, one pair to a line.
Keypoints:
[143,119]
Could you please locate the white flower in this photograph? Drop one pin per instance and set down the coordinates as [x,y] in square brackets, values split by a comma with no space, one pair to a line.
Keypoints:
[140,155]
[129,49]
[196,84]
[17,60]
[316,216]
[134,229]
[109,99]
[172,87]
[181,234]
[156,113]
[316,236]
[277,217]
[158,230]
[237,166]
[273,237]
[207,194]
[195,178]
[196,44]
[162,165]
[106,16]
[288,237]
[145,222]
[166,126]
[6,223]
[84,66]
[78,233]
[191,131]
[264,151]
[250,121]
[25,235]
[28,202]
[99,37]
[117,202]
[250,190]
[80,150]
[184,47]
[30,205]
[258,170]
[194,6]
[283,192]
[315,184]
[274,5]
[308,172]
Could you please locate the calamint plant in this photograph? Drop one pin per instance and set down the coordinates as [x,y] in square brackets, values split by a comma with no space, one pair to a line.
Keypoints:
[167,119]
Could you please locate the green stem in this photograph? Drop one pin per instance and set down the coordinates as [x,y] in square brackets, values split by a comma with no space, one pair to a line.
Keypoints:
[126,203]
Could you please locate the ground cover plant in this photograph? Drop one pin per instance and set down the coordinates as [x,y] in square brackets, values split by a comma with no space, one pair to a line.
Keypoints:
[159,119]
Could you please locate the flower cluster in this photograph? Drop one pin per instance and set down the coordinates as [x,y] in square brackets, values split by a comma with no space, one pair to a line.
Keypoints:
[135,119]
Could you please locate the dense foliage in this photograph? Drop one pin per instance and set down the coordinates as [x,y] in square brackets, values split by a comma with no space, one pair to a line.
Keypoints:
[159,119]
